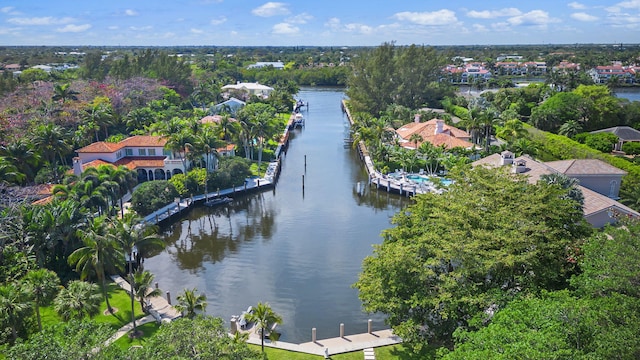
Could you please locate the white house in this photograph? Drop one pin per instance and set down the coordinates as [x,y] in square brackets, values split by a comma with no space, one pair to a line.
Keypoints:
[250,89]
[147,155]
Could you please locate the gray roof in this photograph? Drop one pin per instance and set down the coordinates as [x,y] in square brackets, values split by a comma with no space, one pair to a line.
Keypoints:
[624,133]
[577,167]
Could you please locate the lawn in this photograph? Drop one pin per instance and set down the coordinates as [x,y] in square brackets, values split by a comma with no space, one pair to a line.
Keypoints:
[149,329]
[118,298]
[392,352]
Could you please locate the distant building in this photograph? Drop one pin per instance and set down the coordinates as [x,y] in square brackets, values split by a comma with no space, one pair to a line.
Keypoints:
[231,106]
[434,131]
[624,134]
[261,64]
[250,89]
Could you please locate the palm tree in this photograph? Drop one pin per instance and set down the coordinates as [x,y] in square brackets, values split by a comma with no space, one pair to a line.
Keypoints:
[9,173]
[63,92]
[22,155]
[77,300]
[141,283]
[189,302]
[415,138]
[42,285]
[100,115]
[133,236]
[51,140]
[264,317]
[513,129]
[99,254]
[570,128]
[13,306]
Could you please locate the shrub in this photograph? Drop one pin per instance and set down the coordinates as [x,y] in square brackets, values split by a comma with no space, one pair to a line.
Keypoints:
[631,148]
[152,195]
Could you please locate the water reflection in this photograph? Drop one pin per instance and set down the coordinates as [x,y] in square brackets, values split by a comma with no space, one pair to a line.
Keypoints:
[299,252]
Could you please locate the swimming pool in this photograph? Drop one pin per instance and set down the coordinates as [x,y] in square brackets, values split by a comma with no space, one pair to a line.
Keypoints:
[427,179]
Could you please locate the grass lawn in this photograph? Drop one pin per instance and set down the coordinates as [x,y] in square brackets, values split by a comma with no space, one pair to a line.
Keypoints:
[392,352]
[118,298]
[149,329]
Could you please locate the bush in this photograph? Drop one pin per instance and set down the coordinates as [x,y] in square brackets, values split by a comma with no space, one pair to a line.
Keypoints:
[631,148]
[601,141]
[152,195]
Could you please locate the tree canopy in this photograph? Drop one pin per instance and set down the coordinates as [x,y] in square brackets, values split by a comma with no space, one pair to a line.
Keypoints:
[455,257]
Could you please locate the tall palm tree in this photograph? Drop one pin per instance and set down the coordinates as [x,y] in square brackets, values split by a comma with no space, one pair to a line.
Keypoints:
[23,156]
[189,302]
[101,116]
[415,138]
[77,300]
[264,317]
[132,235]
[142,285]
[51,140]
[99,254]
[42,285]
[63,92]
[513,129]
[13,306]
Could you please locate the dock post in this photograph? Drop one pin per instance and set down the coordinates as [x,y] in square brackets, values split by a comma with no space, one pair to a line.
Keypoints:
[234,326]
[388,185]
[157,221]
[218,194]
[305,163]
[169,297]
[313,334]
[245,186]
[302,182]
[234,189]
[258,183]
[369,326]
[341,330]
[156,284]
[400,189]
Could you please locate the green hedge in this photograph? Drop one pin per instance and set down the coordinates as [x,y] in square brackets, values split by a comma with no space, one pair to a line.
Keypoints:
[558,147]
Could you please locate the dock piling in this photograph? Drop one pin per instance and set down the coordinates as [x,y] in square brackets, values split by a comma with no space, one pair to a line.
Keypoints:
[313,334]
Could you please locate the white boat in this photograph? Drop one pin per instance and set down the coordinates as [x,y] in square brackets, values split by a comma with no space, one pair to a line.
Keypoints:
[218,201]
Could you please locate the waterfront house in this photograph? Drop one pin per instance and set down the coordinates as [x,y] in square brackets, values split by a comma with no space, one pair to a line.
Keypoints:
[624,134]
[434,131]
[148,156]
[599,182]
[231,106]
[279,65]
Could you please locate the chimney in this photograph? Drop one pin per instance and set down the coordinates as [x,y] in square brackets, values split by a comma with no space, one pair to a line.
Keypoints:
[439,126]
[506,158]
[77,167]
[416,118]
[519,167]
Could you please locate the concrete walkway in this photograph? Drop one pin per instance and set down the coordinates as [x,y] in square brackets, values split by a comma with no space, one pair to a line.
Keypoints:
[333,346]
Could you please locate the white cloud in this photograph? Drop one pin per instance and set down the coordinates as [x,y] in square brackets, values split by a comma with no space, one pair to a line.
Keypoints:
[492,14]
[440,17]
[479,28]
[299,19]
[583,17]
[631,4]
[6,9]
[336,25]
[271,9]
[285,29]
[113,27]
[197,31]
[140,28]
[576,5]
[48,20]
[130,12]
[219,21]
[533,18]
[74,28]
[501,26]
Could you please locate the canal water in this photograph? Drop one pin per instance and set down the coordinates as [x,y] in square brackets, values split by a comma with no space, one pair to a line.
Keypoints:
[298,247]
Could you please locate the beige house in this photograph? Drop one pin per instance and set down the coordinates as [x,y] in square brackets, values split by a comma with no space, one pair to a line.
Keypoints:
[599,182]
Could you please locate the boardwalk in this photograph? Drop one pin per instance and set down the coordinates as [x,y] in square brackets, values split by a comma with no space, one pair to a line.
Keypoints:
[332,346]
[159,307]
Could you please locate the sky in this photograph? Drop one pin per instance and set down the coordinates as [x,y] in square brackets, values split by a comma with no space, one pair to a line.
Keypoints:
[316,23]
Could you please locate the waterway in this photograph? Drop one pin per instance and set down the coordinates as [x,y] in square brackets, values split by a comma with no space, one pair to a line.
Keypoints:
[298,248]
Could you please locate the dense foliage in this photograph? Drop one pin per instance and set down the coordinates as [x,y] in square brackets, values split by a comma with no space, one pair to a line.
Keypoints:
[153,195]
[455,257]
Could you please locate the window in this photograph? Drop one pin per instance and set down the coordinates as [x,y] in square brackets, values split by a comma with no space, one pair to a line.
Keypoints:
[118,154]
[128,152]
[142,152]
[152,152]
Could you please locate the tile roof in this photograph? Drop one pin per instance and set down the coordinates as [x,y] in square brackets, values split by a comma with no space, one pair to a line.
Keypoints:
[450,137]
[585,167]
[624,133]
[133,163]
[593,201]
[133,141]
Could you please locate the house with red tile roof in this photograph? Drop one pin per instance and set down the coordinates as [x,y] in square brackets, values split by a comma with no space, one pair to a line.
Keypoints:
[599,182]
[147,155]
[434,131]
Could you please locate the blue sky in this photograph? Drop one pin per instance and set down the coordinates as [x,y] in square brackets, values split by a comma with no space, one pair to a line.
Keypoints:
[317,22]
